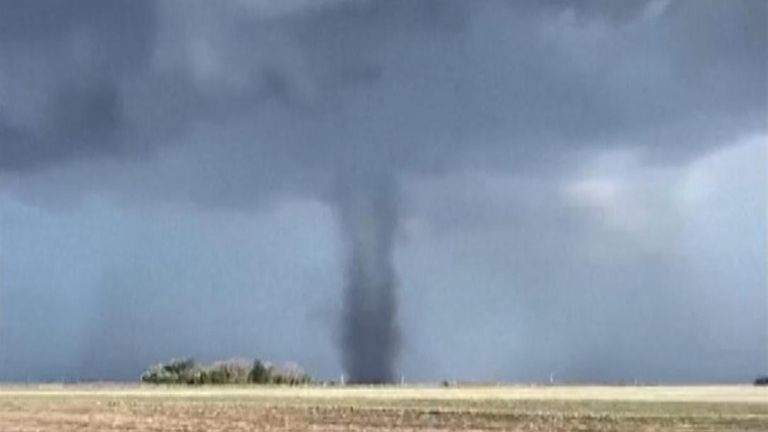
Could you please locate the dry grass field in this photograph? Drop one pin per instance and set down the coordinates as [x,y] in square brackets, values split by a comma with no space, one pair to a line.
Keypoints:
[513,408]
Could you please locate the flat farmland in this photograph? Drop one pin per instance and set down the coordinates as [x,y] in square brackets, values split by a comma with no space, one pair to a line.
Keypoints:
[503,408]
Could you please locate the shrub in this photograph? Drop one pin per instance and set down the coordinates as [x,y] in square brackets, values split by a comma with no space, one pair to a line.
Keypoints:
[289,374]
[235,371]
[259,373]
[174,372]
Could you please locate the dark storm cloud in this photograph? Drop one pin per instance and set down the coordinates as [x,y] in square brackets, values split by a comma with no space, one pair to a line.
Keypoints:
[63,64]
[424,85]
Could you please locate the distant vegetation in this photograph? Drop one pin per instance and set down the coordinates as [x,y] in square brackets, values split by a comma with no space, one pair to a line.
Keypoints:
[236,371]
[762,381]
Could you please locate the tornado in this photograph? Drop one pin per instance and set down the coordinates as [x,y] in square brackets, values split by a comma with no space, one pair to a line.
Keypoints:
[370,337]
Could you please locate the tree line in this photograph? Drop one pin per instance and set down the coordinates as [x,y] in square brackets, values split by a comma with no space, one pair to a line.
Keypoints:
[235,371]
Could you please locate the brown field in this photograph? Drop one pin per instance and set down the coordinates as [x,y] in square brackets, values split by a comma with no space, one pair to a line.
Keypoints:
[509,408]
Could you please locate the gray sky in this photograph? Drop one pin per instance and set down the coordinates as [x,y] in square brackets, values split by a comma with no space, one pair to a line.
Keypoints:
[582,184]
